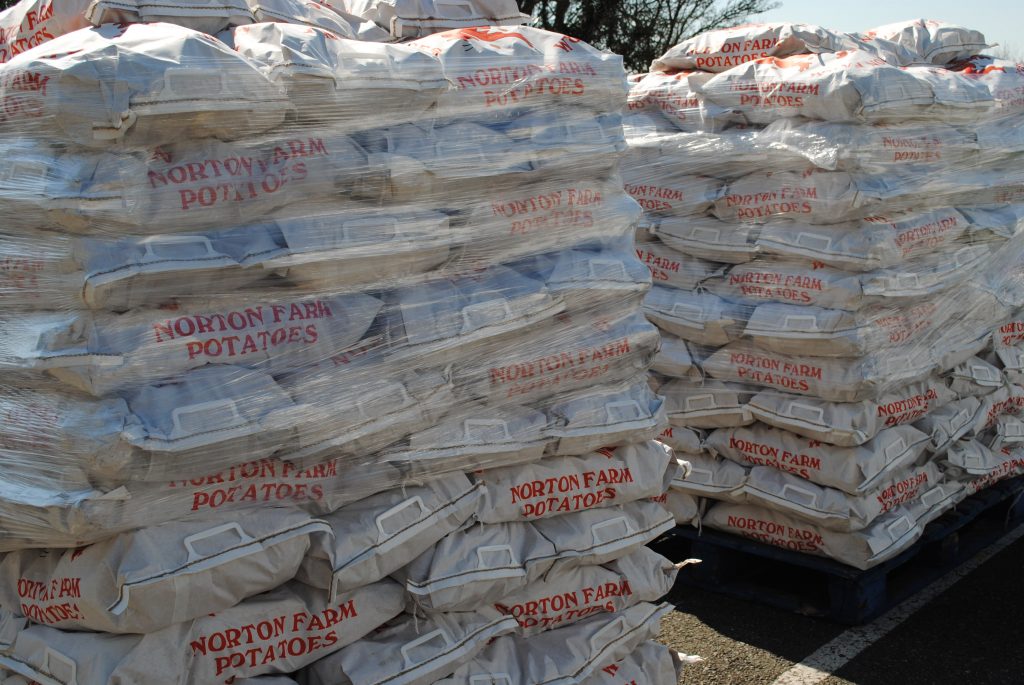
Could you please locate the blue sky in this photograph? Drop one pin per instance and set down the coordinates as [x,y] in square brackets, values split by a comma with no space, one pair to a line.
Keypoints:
[1001,22]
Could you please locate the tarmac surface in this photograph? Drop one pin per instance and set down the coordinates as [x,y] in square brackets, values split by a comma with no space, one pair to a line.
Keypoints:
[969,634]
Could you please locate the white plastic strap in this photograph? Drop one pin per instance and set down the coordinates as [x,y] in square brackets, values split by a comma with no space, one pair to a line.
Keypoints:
[190,540]
[482,313]
[813,241]
[687,311]
[810,499]
[608,634]
[699,475]
[193,82]
[20,174]
[961,418]
[899,528]
[497,556]
[933,497]
[439,635]
[486,430]
[985,375]
[455,9]
[805,412]
[377,228]
[610,530]
[628,410]
[1012,430]
[972,458]
[895,448]
[801,322]
[52,657]
[203,410]
[708,235]
[607,269]
[907,281]
[393,512]
[355,60]
[380,403]
[700,402]
[491,679]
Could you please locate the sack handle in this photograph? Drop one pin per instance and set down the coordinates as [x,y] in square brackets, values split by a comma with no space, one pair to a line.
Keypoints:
[494,549]
[491,679]
[422,640]
[901,521]
[50,654]
[809,496]
[801,322]
[180,413]
[598,641]
[485,308]
[625,410]
[166,240]
[618,523]
[607,266]
[701,402]
[415,501]
[469,426]
[806,412]
[232,526]
[895,448]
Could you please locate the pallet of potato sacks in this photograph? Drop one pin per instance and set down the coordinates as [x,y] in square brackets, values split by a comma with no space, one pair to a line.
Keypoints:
[816,586]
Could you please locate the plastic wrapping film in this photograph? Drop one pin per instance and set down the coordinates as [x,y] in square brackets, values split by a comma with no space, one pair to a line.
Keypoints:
[29,24]
[377,264]
[832,223]
[317,343]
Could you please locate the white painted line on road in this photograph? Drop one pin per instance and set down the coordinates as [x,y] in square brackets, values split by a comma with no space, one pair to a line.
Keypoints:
[833,655]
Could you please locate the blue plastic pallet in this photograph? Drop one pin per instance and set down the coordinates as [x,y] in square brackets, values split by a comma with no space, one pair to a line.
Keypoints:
[816,586]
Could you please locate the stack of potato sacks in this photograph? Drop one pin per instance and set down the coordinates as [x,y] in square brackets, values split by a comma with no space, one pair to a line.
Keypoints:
[323,354]
[833,226]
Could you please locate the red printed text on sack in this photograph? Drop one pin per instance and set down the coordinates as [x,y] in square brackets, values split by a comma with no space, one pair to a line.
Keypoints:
[259,328]
[770,285]
[263,480]
[915,149]
[504,86]
[774,533]
[656,198]
[1007,469]
[27,426]
[564,493]
[548,612]
[785,200]
[661,268]
[567,366]
[902,491]
[549,211]
[22,94]
[1011,333]
[19,273]
[47,602]
[759,454]
[774,372]
[733,53]
[909,409]
[240,178]
[32,32]
[274,639]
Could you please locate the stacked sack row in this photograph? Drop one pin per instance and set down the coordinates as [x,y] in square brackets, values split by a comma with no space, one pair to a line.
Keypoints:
[29,24]
[833,226]
[326,356]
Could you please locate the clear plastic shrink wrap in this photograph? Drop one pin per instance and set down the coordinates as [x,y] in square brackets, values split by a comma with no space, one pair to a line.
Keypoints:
[317,347]
[833,226]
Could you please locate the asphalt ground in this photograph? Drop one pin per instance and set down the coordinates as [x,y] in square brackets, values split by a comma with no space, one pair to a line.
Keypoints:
[971,633]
